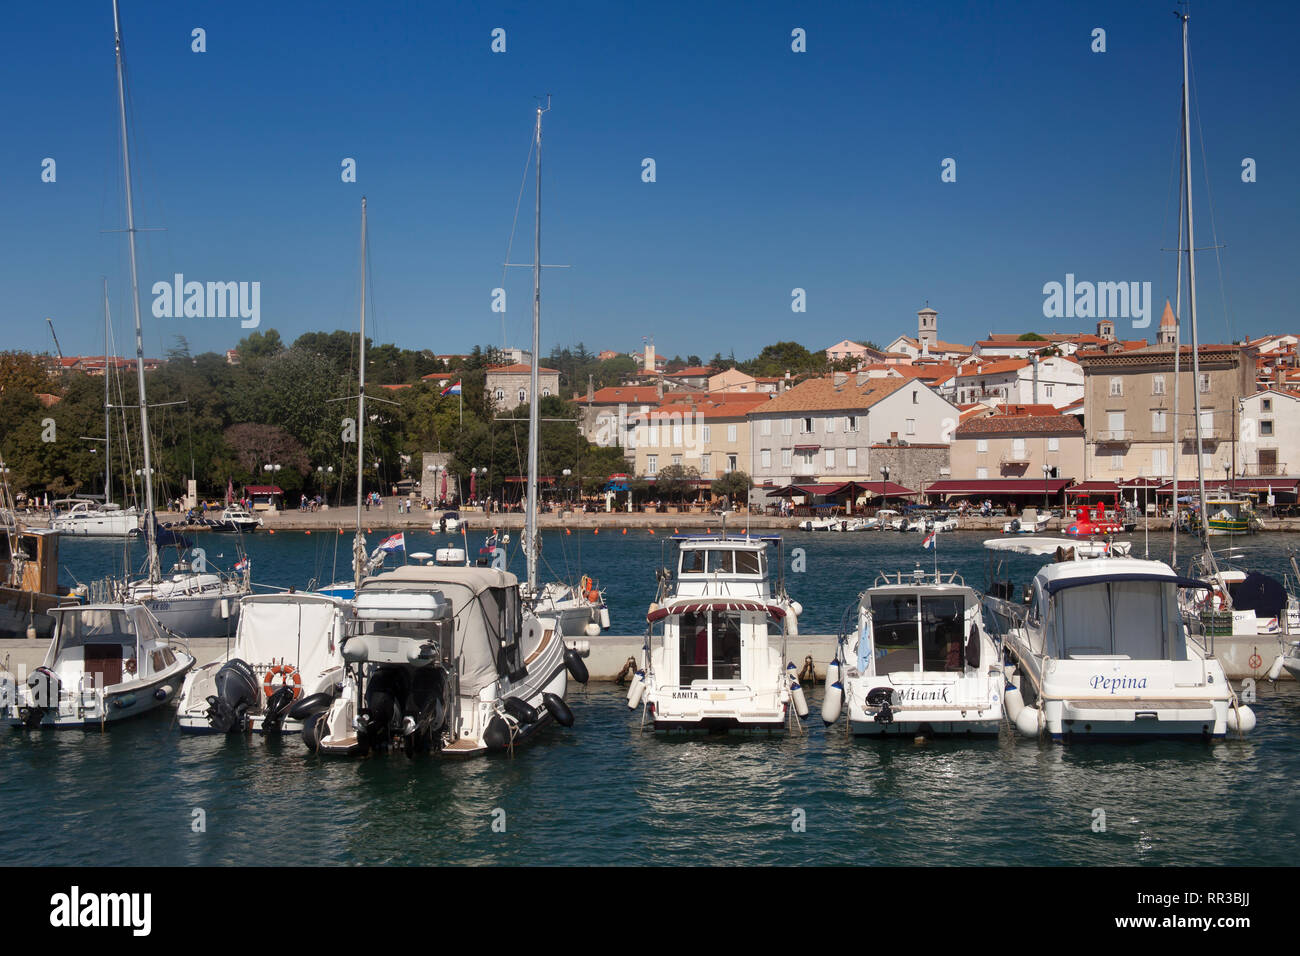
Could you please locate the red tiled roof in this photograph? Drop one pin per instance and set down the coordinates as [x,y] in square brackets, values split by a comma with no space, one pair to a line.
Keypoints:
[630,394]
[822,394]
[520,367]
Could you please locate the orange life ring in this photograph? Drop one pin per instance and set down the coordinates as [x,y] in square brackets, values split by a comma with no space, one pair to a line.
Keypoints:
[289,672]
[1255,662]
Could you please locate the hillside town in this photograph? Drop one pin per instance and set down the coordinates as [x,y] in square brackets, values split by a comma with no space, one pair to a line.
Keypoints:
[1012,420]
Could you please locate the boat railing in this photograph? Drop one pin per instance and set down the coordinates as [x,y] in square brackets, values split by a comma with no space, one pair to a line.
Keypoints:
[918,576]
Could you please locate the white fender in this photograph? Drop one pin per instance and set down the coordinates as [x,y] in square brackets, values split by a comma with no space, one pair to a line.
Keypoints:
[832,672]
[637,689]
[1027,721]
[832,703]
[1275,671]
[1013,702]
[1247,719]
[604,618]
[592,629]
[1009,672]
[800,702]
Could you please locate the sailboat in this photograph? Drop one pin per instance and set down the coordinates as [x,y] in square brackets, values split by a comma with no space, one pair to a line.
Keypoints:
[83,517]
[107,661]
[440,658]
[192,602]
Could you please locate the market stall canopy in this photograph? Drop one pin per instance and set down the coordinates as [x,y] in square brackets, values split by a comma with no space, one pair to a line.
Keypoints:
[998,486]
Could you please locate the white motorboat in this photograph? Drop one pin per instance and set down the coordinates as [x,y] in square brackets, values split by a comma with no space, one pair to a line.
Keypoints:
[78,517]
[284,667]
[715,653]
[1249,619]
[445,660]
[580,609]
[852,523]
[234,520]
[817,524]
[1029,522]
[1101,650]
[193,602]
[105,663]
[917,662]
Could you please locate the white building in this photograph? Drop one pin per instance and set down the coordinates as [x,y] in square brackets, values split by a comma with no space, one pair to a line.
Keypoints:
[1270,434]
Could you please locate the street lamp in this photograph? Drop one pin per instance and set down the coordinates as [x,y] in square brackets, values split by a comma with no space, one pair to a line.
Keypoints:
[1047,470]
[566,473]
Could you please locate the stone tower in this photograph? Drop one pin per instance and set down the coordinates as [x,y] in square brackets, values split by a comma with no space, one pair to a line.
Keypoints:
[1168,326]
[927,327]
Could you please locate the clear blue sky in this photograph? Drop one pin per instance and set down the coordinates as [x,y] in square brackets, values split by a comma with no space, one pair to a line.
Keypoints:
[776,170]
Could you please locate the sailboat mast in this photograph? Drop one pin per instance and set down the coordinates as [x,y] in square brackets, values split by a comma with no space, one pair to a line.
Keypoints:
[1191,286]
[530,531]
[154,570]
[108,435]
[359,543]
[1178,332]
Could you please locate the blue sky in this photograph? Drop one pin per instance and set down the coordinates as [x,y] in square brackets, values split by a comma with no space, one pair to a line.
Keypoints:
[775,169]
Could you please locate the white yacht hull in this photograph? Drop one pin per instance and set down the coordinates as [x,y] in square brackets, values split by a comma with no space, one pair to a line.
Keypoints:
[195,615]
[111,525]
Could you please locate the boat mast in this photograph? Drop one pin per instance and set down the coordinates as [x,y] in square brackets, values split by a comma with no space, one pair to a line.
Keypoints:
[359,542]
[1191,297]
[154,570]
[108,435]
[1178,331]
[530,516]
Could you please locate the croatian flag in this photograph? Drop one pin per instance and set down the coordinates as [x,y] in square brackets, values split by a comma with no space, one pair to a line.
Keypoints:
[396,543]
[452,389]
[929,539]
[242,565]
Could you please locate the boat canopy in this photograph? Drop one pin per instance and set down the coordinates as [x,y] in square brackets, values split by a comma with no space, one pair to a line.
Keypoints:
[297,629]
[1061,584]
[774,611]
[130,625]
[1047,547]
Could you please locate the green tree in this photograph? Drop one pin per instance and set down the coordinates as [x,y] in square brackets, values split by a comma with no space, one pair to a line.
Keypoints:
[735,485]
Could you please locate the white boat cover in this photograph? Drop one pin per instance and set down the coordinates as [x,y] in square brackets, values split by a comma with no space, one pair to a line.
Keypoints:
[291,629]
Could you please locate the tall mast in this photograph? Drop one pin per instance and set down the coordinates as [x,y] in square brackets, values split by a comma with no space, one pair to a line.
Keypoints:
[1178,332]
[530,517]
[359,543]
[108,435]
[154,570]
[1191,287]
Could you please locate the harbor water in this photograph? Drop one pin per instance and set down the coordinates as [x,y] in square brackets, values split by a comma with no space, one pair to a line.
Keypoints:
[605,793]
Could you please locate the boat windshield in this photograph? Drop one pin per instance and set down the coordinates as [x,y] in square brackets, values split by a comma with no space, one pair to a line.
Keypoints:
[710,561]
[709,646]
[94,625]
[914,632]
[1133,620]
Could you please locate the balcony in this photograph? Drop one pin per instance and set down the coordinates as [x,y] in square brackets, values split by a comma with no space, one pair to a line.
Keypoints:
[1266,469]
[1212,433]
[1014,459]
[1114,436]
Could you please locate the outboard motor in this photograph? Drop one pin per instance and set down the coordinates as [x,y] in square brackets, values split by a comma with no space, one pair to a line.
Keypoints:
[236,695]
[385,691]
[277,707]
[46,688]
[882,697]
[426,710]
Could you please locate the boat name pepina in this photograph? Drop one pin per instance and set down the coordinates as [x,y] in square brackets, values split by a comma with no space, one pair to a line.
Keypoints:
[1113,684]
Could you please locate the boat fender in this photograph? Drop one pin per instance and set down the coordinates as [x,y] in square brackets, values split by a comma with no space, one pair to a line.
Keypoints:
[800,701]
[163,692]
[1027,721]
[124,702]
[592,629]
[832,702]
[313,728]
[604,618]
[558,709]
[310,706]
[577,669]
[832,672]
[636,691]
[520,710]
[497,734]
[1241,719]
[1013,702]
[1275,671]
[1015,524]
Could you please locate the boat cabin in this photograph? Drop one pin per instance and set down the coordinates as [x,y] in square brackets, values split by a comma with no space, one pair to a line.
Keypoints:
[101,646]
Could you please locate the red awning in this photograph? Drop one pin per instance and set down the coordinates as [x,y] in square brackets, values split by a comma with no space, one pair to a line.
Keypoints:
[1188,486]
[806,447]
[262,490]
[886,489]
[998,486]
[1093,488]
[695,607]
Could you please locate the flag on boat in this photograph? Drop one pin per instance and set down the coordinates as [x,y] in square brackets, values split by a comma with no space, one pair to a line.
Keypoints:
[396,543]
[452,389]
[929,539]
[242,565]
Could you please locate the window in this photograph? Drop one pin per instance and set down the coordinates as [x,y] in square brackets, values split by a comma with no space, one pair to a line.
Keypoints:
[787,426]
[806,425]
[1158,421]
[1047,391]
[765,457]
[911,426]
[706,434]
[1116,387]
[1157,385]
[981,473]
[982,445]
[1117,462]
[706,464]
[1266,404]
[830,457]
[1115,425]
[677,434]
[830,424]
[1205,382]
[546,391]
[523,396]
[731,434]
[652,464]
[851,457]
[499,394]
[785,457]
[652,437]
[765,426]
[1018,448]
[677,459]
[1266,426]
[851,423]
[1159,461]
[1053,444]
[732,463]
[709,647]
[1207,422]
[913,396]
